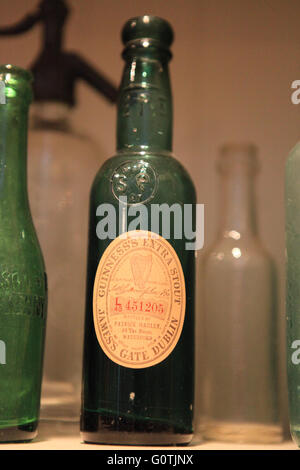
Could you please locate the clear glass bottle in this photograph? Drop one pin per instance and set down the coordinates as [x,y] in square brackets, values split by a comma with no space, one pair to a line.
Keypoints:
[136,388]
[61,167]
[292,204]
[23,285]
[241,388]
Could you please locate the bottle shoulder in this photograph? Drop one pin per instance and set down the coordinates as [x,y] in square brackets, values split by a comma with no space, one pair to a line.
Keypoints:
[22,264]
[246,251]
[292,173]
[294,155]
[18,234]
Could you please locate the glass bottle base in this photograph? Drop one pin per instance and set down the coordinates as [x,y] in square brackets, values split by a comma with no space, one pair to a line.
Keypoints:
[22,433]
[295,432]
[98,429]
[243,432]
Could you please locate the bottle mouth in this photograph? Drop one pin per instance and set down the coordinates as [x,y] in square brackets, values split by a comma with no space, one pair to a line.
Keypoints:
[148,27]
[15,83]
[147,34]
[15,71]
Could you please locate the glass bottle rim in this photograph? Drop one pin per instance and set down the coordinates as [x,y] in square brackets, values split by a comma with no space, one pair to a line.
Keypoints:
[16,85]
[16,71]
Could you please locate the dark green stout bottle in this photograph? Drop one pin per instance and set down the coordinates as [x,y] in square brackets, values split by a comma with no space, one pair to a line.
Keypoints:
[138,373]
[22,272]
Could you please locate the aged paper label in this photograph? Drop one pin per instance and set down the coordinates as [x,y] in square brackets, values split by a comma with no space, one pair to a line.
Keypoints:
[139,299]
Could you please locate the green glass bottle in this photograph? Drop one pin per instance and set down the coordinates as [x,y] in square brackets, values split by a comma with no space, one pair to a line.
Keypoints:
[22,274]
[292,206]
[138,373]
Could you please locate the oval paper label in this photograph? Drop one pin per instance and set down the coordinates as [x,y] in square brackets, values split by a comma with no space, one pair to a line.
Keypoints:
[139,299]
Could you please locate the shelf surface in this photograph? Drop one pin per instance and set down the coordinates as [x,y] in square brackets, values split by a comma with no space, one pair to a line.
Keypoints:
[66,436]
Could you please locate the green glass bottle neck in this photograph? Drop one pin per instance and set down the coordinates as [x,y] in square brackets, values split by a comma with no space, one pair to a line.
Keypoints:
[145,105]
[13,155]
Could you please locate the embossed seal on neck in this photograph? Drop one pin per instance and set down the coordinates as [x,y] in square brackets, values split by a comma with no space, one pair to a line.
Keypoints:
[136,180]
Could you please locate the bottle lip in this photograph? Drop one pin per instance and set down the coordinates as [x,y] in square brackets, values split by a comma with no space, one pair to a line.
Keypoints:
[148,27]
[15,84]
[16,72]
[239,147]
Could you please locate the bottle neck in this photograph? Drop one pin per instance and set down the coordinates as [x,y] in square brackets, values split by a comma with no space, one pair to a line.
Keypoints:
[13,155]
[238,211]
[145,104]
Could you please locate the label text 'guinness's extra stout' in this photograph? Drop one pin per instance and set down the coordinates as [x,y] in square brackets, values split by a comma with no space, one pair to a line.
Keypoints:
[139,300]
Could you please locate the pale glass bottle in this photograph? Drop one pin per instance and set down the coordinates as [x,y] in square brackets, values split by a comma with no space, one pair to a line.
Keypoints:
[61,166]
[241,389]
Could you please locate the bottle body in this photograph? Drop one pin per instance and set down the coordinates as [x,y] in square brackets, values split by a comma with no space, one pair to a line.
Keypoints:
[23,280]
[61,168]
[241,395]
[152,404]
[292,199]
[242,401]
